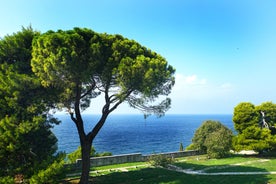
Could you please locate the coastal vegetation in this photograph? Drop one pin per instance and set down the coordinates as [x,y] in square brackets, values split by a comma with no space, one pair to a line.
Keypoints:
[27,145]
[213,138]
[73,156]
[82,64]
[40,73]
[66,70]
[255,126]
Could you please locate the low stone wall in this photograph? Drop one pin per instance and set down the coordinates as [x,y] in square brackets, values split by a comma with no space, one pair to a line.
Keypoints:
[174,154]
[135,157]
[116,159]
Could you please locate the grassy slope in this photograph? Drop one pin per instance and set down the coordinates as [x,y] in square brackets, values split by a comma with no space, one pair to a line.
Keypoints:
[158,175]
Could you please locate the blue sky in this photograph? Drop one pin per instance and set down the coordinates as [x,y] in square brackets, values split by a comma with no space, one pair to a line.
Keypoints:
[224,51]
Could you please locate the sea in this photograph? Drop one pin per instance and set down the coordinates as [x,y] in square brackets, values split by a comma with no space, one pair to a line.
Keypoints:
[126,134]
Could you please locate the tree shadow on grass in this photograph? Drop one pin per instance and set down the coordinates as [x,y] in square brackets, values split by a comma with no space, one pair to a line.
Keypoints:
[160,175]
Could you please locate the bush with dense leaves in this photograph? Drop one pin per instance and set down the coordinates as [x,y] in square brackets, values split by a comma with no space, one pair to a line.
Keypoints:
[27,143]
[253,134]
[160,160]
[52,174]
[212,138]
[7,180]
[219,143]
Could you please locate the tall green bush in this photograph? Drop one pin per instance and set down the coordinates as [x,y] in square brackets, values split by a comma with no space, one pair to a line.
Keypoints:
[26,140]
[219,143]
[212,138]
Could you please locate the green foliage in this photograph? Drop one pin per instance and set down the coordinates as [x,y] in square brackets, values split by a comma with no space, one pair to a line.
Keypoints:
[16,49]
[219,143]
[247,115]
[248,123]
[73,156]
[24,145]
[79,59]
[181,148]
[103,154]
[203,132]
[269,109]
[7,180]
[26,140]
[255,138]
[160,160]
[81,64]
[244,116]
[52,174]
[212,138]
[191,147]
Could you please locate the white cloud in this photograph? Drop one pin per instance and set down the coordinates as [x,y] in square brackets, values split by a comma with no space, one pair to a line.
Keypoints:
[187,86]
[190,80]
[191,94]
[194,94]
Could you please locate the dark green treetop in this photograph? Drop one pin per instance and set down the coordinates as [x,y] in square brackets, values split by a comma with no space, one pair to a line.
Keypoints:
[255,126]
[25,137]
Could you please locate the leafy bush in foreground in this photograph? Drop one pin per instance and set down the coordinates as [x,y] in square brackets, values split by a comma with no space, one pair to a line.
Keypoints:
[50,175]
[7,180]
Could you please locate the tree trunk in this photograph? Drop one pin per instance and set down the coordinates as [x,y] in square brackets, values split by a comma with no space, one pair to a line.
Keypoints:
[85,150]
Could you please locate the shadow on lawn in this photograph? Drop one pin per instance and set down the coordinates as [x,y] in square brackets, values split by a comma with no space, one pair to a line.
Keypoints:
[160,175]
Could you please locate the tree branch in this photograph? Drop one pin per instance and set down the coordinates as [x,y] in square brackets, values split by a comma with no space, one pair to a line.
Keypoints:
[120,100]
[89,90]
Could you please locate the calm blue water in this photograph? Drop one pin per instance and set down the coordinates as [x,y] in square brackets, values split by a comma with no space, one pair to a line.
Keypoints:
[124,134]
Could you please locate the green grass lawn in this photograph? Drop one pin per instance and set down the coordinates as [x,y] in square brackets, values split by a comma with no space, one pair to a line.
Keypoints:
[231,164]
[146,174]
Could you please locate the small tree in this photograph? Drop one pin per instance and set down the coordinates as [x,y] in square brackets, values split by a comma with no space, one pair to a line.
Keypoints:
[212,138]
[181,148]
[219,143]
[202,133]
[83,64]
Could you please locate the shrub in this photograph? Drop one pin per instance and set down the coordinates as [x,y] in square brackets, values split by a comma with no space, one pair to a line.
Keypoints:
[7,180]
[73,156]
[160,160]
[212,138]
[190,147]
[202,133]
[219,143]
[255,138]
[50,175]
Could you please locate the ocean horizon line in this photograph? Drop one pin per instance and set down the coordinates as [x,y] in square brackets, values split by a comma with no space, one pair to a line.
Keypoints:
[128,133]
